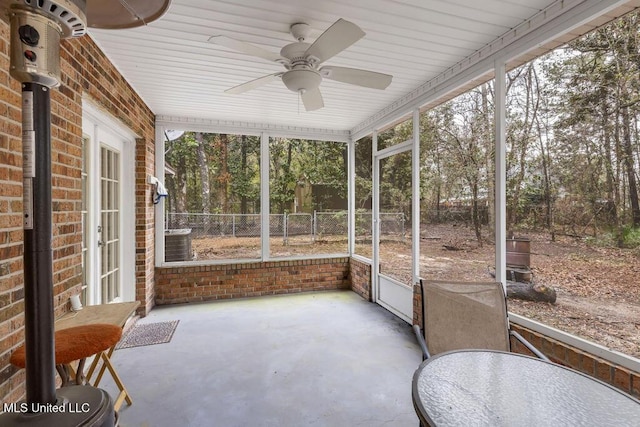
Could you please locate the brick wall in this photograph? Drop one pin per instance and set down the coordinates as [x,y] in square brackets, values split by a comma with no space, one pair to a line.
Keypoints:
[360,274]
[212,282]
[85,72]
[564,354]
[417,305]
[11,289]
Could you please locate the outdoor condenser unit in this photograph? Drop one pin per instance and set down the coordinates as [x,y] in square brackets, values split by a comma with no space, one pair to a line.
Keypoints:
[177,245]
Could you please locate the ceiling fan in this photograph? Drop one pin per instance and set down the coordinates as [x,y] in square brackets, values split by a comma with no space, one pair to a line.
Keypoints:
[302,61]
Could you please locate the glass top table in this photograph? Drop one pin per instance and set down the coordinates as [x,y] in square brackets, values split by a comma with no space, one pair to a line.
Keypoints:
[493,388]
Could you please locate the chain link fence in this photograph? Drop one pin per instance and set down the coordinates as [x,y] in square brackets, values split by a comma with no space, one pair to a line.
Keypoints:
[212,225]
[392,226]
[331,223]
[298,229]
[294,228]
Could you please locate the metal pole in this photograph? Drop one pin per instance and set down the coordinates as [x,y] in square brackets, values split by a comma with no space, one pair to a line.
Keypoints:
[500,203]
[351,201]
[38,257]
[375,217]
[314,226]
[415,198]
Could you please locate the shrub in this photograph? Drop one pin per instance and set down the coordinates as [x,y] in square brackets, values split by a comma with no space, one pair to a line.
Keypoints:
[631,237]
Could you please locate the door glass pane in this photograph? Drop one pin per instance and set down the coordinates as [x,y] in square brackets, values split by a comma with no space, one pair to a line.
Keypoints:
[110,216]
[395,217]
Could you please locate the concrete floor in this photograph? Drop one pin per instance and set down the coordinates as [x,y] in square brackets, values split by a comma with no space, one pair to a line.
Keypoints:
[315,359]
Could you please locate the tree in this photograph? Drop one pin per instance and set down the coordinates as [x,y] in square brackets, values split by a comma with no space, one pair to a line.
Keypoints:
[244,169]
[180,155]
[203,169]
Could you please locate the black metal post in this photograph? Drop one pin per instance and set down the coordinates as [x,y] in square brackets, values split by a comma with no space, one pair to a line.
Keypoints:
[38,256]
[74,406]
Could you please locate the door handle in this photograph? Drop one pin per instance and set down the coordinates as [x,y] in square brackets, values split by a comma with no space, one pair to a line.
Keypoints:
[100,242]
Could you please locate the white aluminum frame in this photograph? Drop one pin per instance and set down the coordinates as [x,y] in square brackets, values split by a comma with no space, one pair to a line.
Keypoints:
[545,27]
[399,291]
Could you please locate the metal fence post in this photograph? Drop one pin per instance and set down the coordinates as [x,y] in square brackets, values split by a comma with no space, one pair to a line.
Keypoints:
[284,229]
[314,225]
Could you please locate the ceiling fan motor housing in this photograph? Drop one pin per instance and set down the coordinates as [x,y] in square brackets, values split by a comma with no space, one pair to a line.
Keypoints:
[301,80]
[36,29]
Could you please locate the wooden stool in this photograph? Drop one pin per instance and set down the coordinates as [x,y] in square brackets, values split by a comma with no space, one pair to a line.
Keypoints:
[73,344]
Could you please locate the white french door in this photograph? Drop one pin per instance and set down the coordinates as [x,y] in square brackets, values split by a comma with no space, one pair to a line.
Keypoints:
[108,230]
[108,200]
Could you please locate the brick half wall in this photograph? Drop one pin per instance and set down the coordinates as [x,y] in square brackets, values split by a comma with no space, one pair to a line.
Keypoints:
[561,353]
[360,274]
[213,282]
[582,361]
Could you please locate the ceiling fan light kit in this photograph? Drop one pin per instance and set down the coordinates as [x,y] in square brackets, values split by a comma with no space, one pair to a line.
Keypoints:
[302,60]
[302,80]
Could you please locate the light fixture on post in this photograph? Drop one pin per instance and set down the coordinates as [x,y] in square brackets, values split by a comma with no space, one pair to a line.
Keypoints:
[37,26]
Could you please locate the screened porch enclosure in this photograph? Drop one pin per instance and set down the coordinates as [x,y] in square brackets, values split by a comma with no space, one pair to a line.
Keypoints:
[324,200]
[495,122]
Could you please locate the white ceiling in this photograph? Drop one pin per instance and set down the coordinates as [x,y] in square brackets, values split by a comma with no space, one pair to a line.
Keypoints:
[179,73]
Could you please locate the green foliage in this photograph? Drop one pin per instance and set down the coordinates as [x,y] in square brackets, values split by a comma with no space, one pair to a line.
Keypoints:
[233,164]
[631,237]
[316,170]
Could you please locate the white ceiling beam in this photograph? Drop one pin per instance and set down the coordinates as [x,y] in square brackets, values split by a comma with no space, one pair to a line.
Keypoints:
[246,128]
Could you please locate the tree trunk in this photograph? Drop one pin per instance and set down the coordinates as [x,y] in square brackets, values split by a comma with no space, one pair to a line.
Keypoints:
[243,168]
[223,177]
[475,214]
[530,292]
[613,195]
[628,162]
[180,190]
[203,169]
[489,158]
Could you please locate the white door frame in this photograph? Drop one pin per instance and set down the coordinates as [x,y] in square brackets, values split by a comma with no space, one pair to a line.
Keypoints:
[100,127]
[390,293]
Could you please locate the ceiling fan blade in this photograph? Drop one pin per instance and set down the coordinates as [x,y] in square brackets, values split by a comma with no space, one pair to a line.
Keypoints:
[312,100]
[247,48]
[356,76]
[253,84]
[334,40]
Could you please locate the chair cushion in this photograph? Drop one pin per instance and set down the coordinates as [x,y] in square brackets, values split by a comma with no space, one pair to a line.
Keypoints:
[76,343]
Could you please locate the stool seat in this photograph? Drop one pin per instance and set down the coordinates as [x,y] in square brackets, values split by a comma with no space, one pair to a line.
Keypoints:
[76,343]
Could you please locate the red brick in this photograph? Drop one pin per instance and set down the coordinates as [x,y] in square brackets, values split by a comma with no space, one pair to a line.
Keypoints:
[573,358]
[604,371]
[622,379]
[588,364]
[635,384]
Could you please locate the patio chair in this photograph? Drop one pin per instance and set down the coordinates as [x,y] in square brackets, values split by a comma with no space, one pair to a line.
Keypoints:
[463,315]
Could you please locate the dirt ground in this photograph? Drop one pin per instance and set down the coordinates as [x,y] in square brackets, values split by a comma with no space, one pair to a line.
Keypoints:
[598,292]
